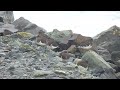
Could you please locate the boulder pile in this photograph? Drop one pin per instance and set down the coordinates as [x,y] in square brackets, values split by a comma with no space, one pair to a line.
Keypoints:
[28,51]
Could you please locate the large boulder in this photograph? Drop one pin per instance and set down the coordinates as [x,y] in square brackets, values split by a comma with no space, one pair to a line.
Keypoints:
[80,40]
[6,17]
[115,55]
[7,29]
[104,53]
[44,38]
[24,25]
[59,35]
[98,65]
[108,39]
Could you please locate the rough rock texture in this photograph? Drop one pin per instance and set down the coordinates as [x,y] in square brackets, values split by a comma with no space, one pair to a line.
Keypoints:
[24,25]
[6,17]
[108,39]
[7,29]
[27,51]
[46,39]
[98,65]
[25,59]
[59,35]
[80,40]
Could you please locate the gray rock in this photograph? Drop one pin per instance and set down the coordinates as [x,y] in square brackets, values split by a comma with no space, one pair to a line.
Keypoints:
[6,16]
[94,61]
[60,72]
[39,73]
[24,25]
[115,55]
[2,54]
[104,53]
[108,39]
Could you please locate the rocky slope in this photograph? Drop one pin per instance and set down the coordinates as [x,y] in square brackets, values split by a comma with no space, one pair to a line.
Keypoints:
[28,51]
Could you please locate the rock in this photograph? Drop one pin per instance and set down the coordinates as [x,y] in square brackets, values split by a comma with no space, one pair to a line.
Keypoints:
[11,68]
[24,34]
[95,61]
[33,29]
[108,39]
[2,54]
[108,35]
[21,23]
[83,49]
[118,75]
[60,72]
[105,54]
[39,73]
[117,65]
[115,55]
[59,35]
[77,61]
[8,29]
[72,49]
[80,40]
[65,55]
[26,26]
[46,39]
[67,32]
[1,20]
[6,16]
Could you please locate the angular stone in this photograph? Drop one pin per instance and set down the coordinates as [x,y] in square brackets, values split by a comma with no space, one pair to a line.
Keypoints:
[7,29]
[24,25]
[77,61]
[80,40]
[83,49]
[104,53]
[39,73]
[6,16]
[45,39]
[60,72]
[95,61]
[108,39]
[66,55]
[72,49]
[115,55]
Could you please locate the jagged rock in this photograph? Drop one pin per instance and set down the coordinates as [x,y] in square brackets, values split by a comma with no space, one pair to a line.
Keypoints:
[96,62]
[67,32]
[6,16]
[80,40]
[83,49]
[24,34]
[104,53]
[109,35]
[21,23]
[59,35]
[118,75]
[72,49]
[117,63]
[39,73]
[115,55]
[26,26]
[60,72]
[77,61]
[74,39]
[7,29]
[46,39]
[108,39]
[66,55]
